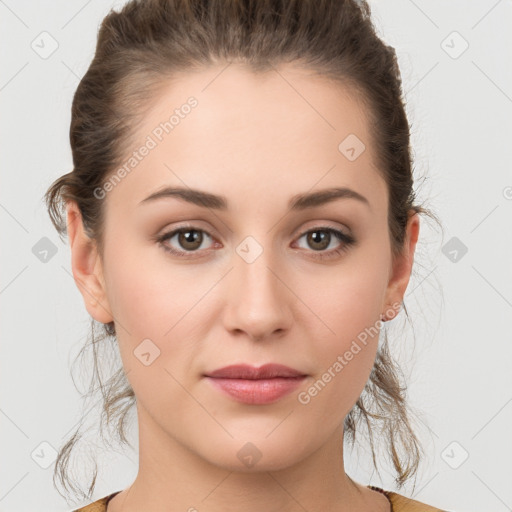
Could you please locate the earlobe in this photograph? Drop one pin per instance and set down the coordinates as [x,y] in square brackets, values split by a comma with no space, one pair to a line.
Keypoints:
[86,267]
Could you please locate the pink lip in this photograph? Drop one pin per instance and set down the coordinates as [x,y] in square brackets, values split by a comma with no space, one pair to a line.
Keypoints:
[251,385]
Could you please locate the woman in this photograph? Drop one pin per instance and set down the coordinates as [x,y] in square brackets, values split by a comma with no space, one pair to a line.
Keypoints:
[242,221]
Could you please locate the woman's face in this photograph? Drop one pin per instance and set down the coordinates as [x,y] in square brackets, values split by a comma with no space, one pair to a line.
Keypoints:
[258,275]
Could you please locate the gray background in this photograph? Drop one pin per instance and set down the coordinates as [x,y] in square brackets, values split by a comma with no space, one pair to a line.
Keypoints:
[460,109]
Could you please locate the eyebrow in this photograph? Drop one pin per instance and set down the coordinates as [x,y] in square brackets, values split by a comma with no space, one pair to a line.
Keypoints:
[298,202]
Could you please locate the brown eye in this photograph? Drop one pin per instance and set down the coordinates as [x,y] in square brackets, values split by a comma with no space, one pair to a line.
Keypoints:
[320,238]
[188,241]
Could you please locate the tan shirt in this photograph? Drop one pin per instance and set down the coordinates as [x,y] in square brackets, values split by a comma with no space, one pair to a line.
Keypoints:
[398,503]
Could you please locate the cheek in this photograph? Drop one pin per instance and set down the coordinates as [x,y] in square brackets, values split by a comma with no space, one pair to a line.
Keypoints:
[145,291]
[349,303]
[154,308]
[347,300]
[149,298]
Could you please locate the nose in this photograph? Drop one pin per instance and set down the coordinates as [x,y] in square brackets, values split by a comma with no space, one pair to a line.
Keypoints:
[258,297]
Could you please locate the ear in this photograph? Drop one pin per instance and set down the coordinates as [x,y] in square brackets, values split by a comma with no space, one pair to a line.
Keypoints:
[86,266]
[401,269]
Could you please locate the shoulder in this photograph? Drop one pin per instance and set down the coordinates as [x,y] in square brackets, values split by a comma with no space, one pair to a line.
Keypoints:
[400,503]
[99,505]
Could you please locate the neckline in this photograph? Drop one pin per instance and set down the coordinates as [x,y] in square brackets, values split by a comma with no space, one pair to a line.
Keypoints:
[372,487]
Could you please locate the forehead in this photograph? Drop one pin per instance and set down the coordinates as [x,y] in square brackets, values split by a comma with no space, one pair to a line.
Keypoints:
[282,130]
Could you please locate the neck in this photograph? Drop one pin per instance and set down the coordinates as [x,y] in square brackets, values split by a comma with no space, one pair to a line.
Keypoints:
[173,477]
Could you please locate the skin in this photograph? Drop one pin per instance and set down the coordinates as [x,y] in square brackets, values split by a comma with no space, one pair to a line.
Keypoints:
[257,141]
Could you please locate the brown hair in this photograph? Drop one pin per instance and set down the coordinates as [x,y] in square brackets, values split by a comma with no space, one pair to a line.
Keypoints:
[139,49]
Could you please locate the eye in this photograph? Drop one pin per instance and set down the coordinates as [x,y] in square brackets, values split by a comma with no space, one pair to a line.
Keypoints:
[190,239]
[321,237]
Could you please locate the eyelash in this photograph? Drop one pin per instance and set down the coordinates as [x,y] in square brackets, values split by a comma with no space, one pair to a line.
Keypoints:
[347,240]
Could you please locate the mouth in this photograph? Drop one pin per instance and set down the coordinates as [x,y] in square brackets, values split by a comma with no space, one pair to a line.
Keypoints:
[256,386]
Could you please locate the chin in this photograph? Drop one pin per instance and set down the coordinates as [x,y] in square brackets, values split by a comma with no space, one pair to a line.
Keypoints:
[257,453]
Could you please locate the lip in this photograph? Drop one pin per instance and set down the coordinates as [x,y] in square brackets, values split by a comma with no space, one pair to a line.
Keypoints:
[256,386]
[245,371]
